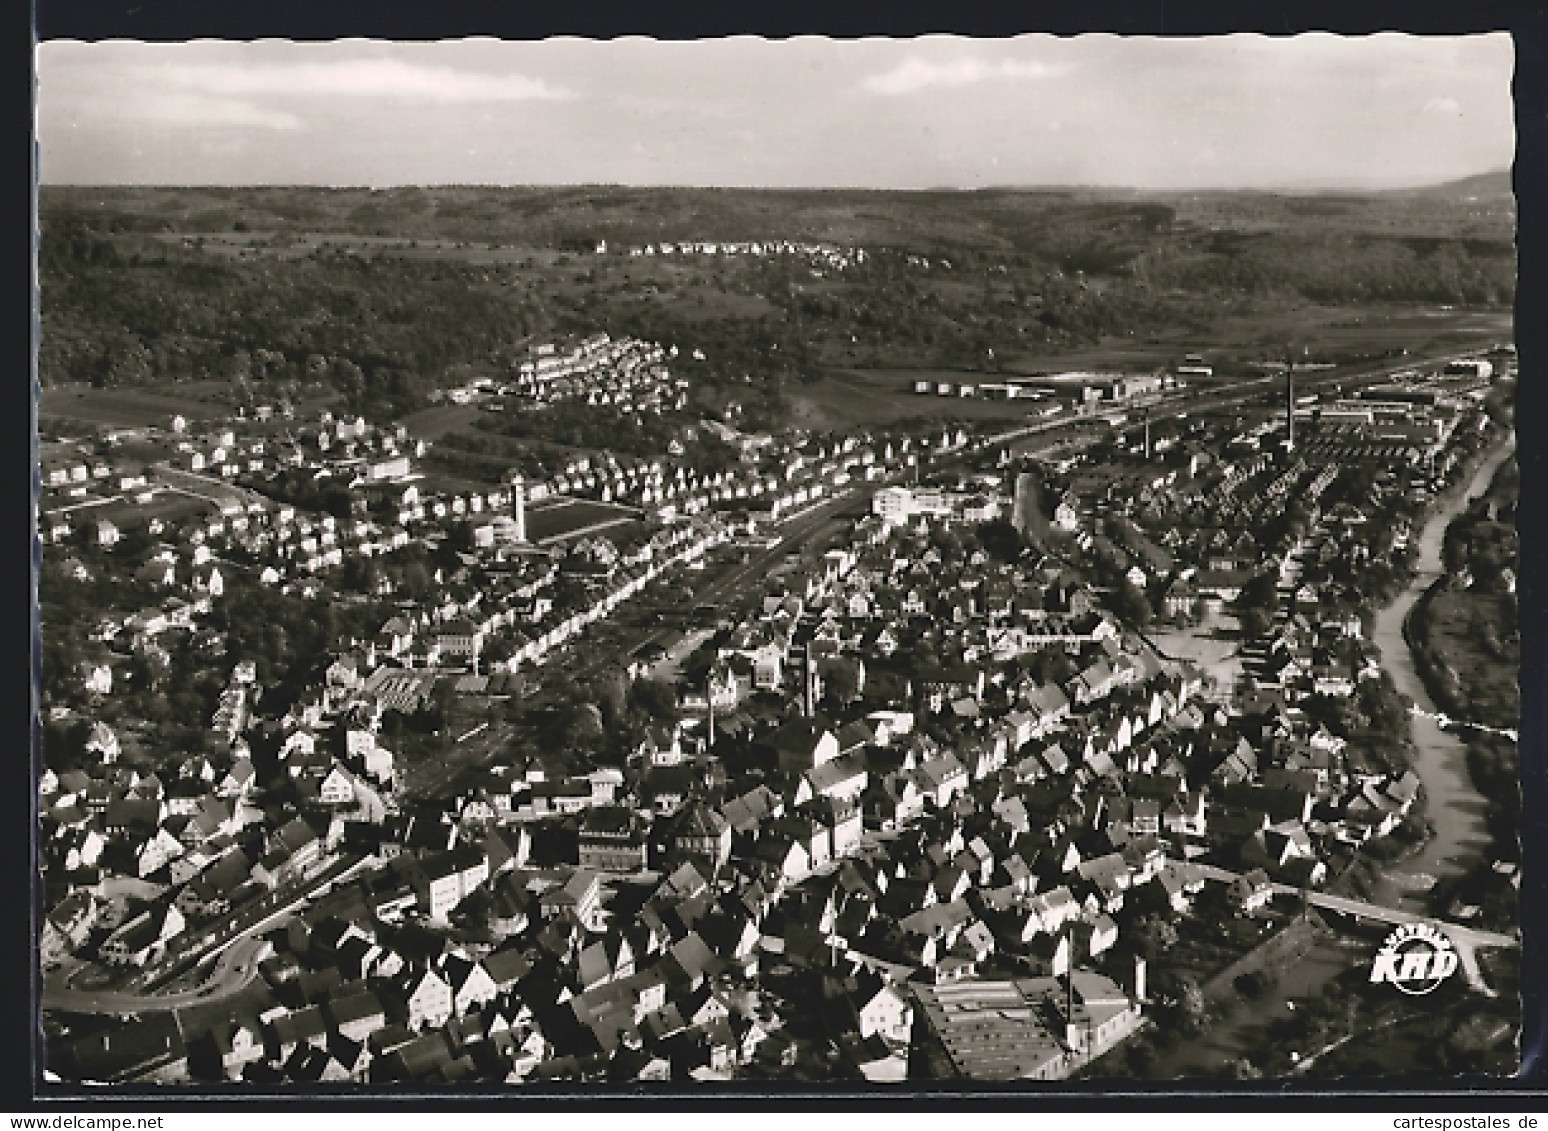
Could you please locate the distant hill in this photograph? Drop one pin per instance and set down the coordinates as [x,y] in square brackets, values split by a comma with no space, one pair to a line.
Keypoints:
[396,289]
[1005,219]
[1493,186]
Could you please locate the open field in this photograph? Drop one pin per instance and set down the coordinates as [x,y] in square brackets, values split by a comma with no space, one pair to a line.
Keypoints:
[882,396]
[151,407]
[125,513]
[154,405]
[438,481]
[434,422]
[419,287]
[1350,337]
[1234,339]
[1237,340]
[560,518]
[1213,644]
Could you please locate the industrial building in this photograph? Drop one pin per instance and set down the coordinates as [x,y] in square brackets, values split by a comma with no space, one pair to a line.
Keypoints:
[1023,1028]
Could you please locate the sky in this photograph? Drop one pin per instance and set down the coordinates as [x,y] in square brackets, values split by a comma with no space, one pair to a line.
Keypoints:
[1241,111]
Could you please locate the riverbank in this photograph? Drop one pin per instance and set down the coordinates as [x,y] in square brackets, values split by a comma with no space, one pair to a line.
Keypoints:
[1460,676]
[1443,677]
[1454,806]
[1309,964]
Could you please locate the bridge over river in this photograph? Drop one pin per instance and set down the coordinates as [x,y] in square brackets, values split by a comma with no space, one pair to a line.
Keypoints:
[1467,940]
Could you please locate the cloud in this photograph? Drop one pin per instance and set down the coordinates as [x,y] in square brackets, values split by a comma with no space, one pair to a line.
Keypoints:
[173,109]
[915,73]
[1443,107]
[363,78]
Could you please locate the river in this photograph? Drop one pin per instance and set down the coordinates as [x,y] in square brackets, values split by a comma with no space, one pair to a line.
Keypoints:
[1455,810]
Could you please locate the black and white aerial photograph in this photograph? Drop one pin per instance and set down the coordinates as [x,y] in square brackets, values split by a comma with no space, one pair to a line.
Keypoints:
[853,565]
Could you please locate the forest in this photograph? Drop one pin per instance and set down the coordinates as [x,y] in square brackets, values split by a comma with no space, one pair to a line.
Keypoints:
[385,296]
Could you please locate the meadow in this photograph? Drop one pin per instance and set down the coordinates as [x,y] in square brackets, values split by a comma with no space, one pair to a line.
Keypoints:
[563,518]
[133,407]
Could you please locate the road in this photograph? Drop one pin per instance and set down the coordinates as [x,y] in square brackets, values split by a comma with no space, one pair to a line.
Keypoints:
[795,534]
[1467,940]
[206,486]
[236,962]
[798,533]
[807,528]
[1374,911]
[1458,934]
[233,972]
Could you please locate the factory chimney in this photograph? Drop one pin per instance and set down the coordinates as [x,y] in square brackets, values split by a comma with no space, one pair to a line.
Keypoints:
[1290,407]
[519,506]
[809,691]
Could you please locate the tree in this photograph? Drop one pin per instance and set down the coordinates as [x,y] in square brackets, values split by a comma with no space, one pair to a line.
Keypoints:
[459,537]
[1244,1069]
[944,539]
[1154,935]
[1131,604]
[1255,984]
[64,744]
[496,650]
[1191,1005]
[612,698]
[360,574]
[239,366]
[574,728]
[1383,707]
[349,379]
[1051,665]
[442,703]
[1000,539]
[1260,591]
[840,679]
[1255,622]
[654,700]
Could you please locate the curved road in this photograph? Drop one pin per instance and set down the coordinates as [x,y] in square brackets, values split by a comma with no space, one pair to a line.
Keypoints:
[233,972]
[234,969]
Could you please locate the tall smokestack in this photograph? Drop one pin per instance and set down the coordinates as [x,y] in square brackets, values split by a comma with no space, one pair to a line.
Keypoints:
[1147,435]
[519,506]
[1290,406]
[809,691]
